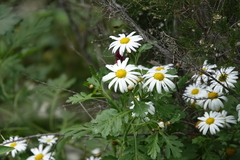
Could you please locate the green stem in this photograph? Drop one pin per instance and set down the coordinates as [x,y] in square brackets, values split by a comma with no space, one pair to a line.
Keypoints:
[109,98]
[135,145]
[52,110]
[3,88]
[129,125]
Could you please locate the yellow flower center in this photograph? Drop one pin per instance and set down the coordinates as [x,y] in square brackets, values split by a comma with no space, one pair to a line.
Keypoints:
[49,140]
[39,156]
[159,68]
[195,91]
[203,69]
[124,40]
[210,120]
[13,144]
[121,73]
[158,76]
[137,97]
[223,77]
[212,95]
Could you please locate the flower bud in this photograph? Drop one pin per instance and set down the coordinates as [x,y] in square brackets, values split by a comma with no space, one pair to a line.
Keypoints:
[161,124]
[91,86]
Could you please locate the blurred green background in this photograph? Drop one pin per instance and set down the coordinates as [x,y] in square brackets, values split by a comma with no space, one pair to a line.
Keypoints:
[44,47]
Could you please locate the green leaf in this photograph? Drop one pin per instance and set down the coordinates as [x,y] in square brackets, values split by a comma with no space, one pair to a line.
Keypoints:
[172,146]
[5,149]
[7,19]
[145,47]
[10,66]
[129,156]
[201,140]
[109,122]
[109,157]
[76,98]
[182,80]
[31,28]
[93,81]
[208,155]
[76,131]
[62,81]
[153,146]
[140,108]
[177,116]
[163,109]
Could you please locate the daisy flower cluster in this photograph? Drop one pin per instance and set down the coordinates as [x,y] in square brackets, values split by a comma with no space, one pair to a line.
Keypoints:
[40,153]
[124,76]
[209,91]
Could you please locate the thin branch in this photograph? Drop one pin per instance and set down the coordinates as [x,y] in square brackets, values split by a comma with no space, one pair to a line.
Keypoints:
[44,83]
[59,134]
[85,110]
[116,8]
[34,136]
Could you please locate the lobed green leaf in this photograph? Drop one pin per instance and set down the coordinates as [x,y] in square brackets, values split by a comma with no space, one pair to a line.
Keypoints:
[5,149]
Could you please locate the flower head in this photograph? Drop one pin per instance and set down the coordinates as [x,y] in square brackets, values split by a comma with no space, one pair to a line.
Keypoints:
[123,43]
[50,139]
[194,92]
[200,76]
[226,76]
[214,98]
[159,79]
[96,151]
[228,119]
[41,154]
[211,121]
[161,68]
[19,146]
[161,124]
[122,75]
[94,158]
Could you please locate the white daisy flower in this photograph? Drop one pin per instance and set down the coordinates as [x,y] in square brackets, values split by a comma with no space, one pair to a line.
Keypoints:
[225,76]
[94,158]
[200,76]
[214,98]
[238,110]
[194,92]
[228,119]
[49,139]
[18,146]
[123,42]
[211,121]
[96,151]
[159,80]
[41,154]
[122,75]
[160,68]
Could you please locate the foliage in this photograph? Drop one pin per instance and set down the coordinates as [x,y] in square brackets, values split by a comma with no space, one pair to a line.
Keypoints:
[39,73]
